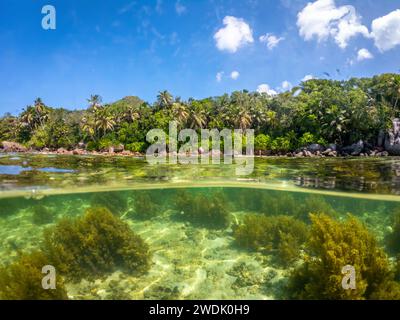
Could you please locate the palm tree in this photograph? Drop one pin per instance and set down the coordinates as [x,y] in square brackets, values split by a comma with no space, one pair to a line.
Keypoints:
[180,113]
[94,101]
[164,99]
[104,121]
[243,119]
[88,127]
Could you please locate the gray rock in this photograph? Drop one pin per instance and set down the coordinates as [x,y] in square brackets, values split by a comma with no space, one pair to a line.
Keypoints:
[392,141]
[355,149]
[315,147]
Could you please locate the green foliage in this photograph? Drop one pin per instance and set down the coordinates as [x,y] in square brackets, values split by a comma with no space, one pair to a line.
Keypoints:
[42,215]
[262,142]
[22,280]
[324,111]
[208,211]
[94,245]
[307,139]
[281,236]
[136,147]
[281,144]
[331,246]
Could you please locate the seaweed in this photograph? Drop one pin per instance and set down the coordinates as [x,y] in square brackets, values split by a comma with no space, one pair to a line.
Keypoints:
[113,201]
[145,208]
[281,236]
[42,215]
[94,245]
[22,280]
[392,240]
[331,246]
[203,210]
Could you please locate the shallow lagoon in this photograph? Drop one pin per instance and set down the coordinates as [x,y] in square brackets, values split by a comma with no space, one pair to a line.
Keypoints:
[193,218]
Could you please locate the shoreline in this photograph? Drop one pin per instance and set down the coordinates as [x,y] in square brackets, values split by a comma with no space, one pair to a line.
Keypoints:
[125,153]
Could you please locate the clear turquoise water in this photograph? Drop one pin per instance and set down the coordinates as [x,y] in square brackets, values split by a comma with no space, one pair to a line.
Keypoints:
[191,258]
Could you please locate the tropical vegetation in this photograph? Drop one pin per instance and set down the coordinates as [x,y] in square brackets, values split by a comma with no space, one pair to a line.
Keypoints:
[317,111]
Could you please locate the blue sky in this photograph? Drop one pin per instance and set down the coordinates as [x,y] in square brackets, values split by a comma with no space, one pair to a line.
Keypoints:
[192,48]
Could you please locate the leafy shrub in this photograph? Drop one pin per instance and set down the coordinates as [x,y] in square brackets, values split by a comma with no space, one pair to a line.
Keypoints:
[281,144]
[136,146]
[262,142]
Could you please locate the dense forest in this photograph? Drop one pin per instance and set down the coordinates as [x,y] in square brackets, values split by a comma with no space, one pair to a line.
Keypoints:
[317,111]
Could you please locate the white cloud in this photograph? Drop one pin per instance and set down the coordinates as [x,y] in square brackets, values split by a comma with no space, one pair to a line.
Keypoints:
[271,40]
[364,54]
[386,31]
[307,77]
[234,35]
[322,20]
[179,8]
[219,76]
[265,88]
[235,75]
[286,85]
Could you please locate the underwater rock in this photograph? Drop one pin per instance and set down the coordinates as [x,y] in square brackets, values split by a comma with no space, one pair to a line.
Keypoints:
[94,245]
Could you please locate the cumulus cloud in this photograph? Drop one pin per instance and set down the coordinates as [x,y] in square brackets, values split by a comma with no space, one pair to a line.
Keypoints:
[234,35]
[235,75]
[179,8]
[271,40]
[307,77]
[286,85]
[386,31]
[322,20]
[265,88]
[219,76]
[364,54]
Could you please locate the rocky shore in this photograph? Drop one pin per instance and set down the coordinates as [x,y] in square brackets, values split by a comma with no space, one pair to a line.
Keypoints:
[360,149]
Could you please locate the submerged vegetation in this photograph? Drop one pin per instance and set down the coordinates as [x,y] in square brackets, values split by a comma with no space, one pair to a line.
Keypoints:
[203,210]
[94,245]
[113,201]
[283,236]
[22,280]
[333,245]
[317,111]
[283,245]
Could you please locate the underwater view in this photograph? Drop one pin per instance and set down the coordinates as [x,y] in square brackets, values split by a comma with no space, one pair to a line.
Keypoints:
[119,228]
[165,152]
